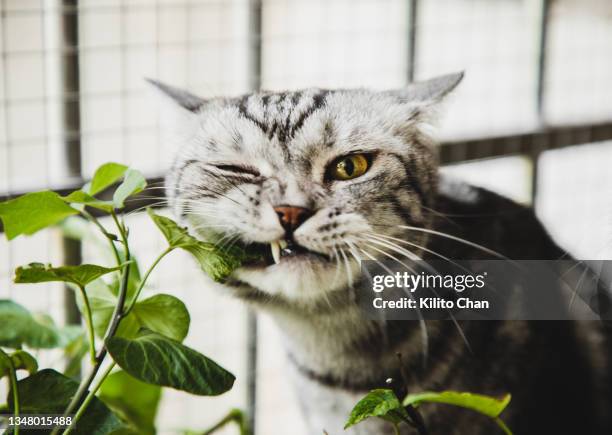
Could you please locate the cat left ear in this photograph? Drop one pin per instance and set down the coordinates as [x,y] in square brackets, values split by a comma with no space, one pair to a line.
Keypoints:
[178,96]
[429,91]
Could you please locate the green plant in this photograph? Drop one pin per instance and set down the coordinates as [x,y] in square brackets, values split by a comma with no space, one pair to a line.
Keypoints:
[384,403]
[143,337]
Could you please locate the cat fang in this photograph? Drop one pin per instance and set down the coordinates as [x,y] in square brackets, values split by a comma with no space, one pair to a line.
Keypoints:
[288,249]
[276,247]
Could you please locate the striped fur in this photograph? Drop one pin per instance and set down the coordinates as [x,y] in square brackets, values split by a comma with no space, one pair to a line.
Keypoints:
[238,158]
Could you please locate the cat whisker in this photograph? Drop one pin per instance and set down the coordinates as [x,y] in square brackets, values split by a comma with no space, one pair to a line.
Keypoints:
[352,249]
[160,204]
[425,264]
[387,239]
[349,273]
[457,239]
[336,259]
[421,320]
[453,319]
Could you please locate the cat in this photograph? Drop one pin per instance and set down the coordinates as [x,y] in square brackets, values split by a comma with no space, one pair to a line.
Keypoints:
[315,179]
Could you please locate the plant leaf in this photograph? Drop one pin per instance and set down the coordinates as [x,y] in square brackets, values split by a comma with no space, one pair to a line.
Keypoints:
[217,263]
[50,392]
[80,275]
[164,314]
[161,313]
[159,360]
[19,360]
[104,176]
[102,301]
[487,405]
[80,197]
[135,401]
[32,212]
[19,327]
[381,403]
[133,183]
[22,360]
[73,354]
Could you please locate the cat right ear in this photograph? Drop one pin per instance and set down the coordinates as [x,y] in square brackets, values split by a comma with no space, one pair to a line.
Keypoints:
[429,91]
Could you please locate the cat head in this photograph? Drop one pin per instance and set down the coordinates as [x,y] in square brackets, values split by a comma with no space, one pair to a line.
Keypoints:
[312,180]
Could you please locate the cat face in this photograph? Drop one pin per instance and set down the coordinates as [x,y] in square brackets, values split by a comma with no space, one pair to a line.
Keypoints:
[313,180]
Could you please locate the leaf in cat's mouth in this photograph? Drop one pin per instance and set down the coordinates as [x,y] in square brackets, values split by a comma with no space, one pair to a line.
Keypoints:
[274,252]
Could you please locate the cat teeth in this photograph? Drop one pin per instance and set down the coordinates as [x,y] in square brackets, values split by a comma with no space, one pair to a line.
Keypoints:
[276,249]
[283,243]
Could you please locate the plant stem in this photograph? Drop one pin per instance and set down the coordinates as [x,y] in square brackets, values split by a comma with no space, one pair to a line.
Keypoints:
[106,234]
[89,323]
[118,313]
[88,399]
[502,426]
[396,429]
[15,391]
[110,331]
[415,416]
[82,391]
[234,416]
[144,280]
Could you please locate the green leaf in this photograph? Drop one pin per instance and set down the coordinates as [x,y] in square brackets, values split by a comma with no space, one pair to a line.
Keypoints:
[487,405]
[104,176]
[159,360]
[381,403]
[73,354]
[19,360]
[80,275]
[160,313]
[164,314]
[18,327]
[102,301]
[22,360]
[50,392]
[33,212]
[217,263]
[133,183]
[134,401]
[80,197]
[5,364]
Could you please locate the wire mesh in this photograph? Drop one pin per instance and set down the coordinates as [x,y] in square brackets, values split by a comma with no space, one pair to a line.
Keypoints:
[207,47]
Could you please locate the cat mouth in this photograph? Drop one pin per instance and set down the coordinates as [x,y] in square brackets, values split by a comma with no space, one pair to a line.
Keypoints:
[284,250]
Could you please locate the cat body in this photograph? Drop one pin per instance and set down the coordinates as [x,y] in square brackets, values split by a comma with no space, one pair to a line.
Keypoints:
[316,181]
[539,362]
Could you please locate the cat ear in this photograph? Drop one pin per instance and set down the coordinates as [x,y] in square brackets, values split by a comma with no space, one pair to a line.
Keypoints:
[177,96]
[428,91]
[178,111]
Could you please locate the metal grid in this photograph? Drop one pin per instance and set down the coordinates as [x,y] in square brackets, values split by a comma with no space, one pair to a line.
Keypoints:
[71,99]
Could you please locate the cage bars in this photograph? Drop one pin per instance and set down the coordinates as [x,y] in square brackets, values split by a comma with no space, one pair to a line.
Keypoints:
[529,144]
[255,14]
[69,110]
[411,34]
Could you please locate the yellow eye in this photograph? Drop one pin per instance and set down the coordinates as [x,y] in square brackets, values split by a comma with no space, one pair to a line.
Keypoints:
[349,167]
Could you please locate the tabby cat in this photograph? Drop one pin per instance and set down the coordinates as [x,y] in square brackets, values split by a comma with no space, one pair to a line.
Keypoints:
[316,180]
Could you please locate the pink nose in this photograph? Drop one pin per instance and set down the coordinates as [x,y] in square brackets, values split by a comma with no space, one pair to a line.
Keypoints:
[291,217]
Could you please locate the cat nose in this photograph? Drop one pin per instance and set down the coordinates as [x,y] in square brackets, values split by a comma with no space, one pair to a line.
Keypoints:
[291,216]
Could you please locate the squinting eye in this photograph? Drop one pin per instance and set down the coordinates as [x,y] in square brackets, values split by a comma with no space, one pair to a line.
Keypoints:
[349,167]
[239,169]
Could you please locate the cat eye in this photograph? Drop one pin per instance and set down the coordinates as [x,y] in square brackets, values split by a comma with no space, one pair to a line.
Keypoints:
[239,169]
[349,167]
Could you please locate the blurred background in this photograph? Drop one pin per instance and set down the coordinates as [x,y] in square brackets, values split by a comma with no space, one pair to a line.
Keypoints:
[532,120]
